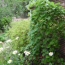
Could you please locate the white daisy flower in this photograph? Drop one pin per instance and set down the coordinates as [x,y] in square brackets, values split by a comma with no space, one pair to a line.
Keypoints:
[26,53]
[9,61]
[51,54]
[15,52]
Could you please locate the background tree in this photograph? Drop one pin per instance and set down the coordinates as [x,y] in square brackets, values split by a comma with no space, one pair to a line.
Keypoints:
[12,8]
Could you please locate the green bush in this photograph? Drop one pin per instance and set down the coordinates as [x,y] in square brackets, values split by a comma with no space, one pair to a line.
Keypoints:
[19,30]
[11,52]
[3,37]
[47,28]
[9,56]
[4,23]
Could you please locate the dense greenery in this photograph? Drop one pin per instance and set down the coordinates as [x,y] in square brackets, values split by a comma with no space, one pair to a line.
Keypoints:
[3,37]
[47,29]
[4,23]
[12,8]
[17,7]
[32,43]
[17,39]
[20,30]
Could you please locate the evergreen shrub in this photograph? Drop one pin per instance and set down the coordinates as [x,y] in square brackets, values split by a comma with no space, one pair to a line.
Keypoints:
[47,29]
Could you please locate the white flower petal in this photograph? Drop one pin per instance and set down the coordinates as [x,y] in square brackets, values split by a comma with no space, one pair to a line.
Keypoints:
[51,54]
[26,53]
[9,61]
[15,52]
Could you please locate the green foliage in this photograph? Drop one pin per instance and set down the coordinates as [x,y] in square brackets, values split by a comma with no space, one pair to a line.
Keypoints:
[3,37]
[17,7]
[11,8]
[17,39]
[8,54]
[5,15]
[4,22]
[47,29]
[19,29]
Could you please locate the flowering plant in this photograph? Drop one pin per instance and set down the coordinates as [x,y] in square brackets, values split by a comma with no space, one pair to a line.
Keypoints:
[47,28]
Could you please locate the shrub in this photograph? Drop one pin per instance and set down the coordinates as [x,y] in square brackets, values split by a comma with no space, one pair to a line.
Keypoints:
[13,49]
[8,56]
[19,33]
[47,28]
[4,23]
[3,37]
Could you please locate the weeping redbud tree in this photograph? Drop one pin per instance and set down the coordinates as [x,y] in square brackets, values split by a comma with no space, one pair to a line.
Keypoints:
[46,30]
